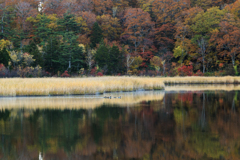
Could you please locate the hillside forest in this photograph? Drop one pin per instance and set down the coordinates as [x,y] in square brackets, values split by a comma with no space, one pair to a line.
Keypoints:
[119,37]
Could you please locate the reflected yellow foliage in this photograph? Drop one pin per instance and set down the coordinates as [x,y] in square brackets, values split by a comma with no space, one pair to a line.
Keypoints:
[53,145]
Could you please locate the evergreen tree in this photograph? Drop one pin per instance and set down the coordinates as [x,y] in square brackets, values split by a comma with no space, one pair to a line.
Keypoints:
[17,38]
[52,55]
[77,59]
[71,57]
[4,57]
[96,35]
[42,30]
[37,55]
[5,23]
[68,24]
[114,61]
[102,56]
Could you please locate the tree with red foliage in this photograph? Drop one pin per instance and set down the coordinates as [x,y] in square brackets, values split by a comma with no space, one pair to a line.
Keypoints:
[2,70]
[227,40]
[185,70]
[65,74]
[99,74]
[198,73]
[1,65]
[146,57]
[164,37]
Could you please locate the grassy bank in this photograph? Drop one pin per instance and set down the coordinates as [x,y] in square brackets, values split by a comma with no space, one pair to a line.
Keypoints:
[203,87]
[75,86]
[93,85]
[201,80]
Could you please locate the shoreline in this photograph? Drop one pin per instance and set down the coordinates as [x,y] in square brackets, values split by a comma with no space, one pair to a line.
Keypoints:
[52,87]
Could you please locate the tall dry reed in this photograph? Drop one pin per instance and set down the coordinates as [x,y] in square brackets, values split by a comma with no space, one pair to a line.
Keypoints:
[203,87]
[201,80]
[75,86]
[94,85]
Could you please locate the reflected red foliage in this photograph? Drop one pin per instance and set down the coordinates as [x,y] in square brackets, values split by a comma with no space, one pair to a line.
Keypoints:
[186,97]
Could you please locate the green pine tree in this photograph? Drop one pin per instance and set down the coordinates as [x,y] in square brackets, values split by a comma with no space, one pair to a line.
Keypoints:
[71,55]
[37,55]
[4,57]
[52,55]
[96,35]
[102,56]
[68,24]
[42,30]
[114,60]
[7,19]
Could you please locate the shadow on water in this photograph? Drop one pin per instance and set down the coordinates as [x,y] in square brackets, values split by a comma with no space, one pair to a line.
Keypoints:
[176,125]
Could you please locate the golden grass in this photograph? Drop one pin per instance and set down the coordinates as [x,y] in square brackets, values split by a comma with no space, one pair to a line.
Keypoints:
[203,87]
[75,86]
[80,102]
[201,80]
[93,85]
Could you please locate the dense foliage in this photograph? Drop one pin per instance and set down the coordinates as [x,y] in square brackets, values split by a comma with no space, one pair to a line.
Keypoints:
[115,37]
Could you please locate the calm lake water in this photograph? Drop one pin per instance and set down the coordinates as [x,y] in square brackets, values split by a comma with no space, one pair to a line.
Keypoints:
[179,125]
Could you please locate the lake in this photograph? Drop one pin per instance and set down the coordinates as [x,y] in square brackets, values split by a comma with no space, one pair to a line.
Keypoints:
[173,124]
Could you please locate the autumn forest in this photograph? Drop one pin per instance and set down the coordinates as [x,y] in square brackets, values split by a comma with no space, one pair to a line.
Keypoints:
[119,37]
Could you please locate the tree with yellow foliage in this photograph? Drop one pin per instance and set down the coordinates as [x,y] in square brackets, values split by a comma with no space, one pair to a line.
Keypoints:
[110,26]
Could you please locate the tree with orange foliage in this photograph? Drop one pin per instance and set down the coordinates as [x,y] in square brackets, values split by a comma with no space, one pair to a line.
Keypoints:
[234,8]
[24,10]
[53,7]
[227,41]
[168,11]
[102,6]
[85,5]
[206,4]
[89,17]
[164,37]
[70,6]
[139,27]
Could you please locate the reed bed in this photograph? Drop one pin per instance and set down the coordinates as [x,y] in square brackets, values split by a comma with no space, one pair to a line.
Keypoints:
[75,86]
[80,102]
[98,85]
[203,87]
[201,80]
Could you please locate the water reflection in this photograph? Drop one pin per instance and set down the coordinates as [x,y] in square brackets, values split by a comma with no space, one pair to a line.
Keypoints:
[179,125]
[80,102]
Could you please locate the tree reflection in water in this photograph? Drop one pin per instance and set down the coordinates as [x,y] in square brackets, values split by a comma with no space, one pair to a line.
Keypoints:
[182,125]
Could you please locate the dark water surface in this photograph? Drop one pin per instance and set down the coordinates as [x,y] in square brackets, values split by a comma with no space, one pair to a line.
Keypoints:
[201,125]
